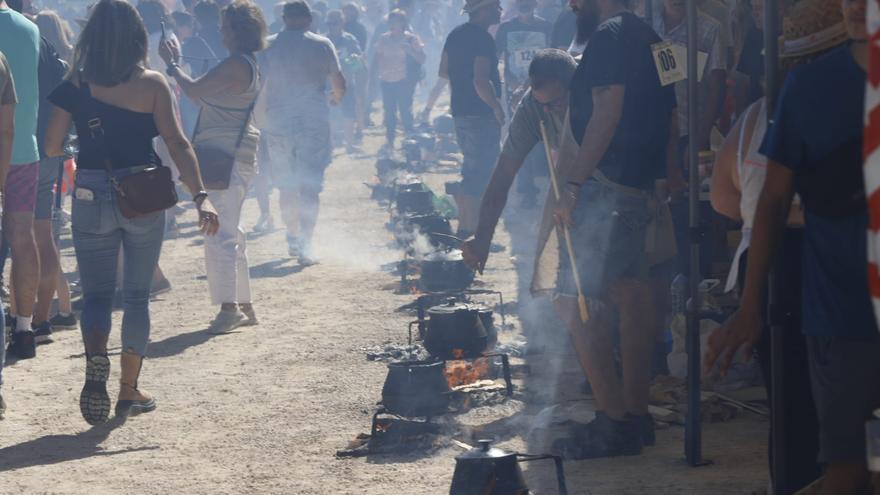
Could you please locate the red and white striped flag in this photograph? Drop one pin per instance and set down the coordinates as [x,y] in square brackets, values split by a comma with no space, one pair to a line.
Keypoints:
[872,152]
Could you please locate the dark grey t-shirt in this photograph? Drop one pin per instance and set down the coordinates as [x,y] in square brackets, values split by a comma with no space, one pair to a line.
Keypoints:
[296,67]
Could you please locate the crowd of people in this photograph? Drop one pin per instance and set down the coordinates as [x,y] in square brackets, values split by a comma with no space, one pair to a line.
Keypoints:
[583,94]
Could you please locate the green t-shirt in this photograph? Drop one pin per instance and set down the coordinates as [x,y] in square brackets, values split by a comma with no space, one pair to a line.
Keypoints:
[20,43]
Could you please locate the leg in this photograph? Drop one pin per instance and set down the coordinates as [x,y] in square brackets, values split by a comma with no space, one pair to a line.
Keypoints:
[49,269]
[638,330]
[225,256]
[405,104]
[845,377]
[389,106]
[18,222]
[142,243]
[595,351]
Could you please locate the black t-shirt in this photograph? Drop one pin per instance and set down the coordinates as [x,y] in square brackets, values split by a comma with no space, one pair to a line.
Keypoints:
[463,45]
[619,53]
[564,30]
[751,61]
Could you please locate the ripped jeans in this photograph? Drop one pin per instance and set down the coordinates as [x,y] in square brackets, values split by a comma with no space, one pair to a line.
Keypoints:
[99,231]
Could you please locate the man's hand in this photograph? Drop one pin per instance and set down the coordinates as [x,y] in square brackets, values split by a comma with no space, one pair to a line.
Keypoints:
[740,332]
[475,252]
[566,204]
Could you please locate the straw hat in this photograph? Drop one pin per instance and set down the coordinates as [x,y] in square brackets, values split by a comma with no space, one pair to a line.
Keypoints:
[474,5]
[812,26]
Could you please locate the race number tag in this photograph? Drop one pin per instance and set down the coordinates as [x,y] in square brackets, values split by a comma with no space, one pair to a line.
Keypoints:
[670,67]
[671,62]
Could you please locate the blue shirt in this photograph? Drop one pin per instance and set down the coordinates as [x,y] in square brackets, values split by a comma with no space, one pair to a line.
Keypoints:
[818,134]
[20,42]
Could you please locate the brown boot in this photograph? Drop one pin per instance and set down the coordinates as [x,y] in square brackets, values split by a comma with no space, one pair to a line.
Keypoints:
[132,401]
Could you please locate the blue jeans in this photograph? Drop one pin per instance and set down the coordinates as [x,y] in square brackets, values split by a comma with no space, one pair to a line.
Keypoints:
[479,138]
[99,230]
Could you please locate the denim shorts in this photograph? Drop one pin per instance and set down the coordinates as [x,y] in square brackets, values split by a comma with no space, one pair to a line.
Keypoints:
[608,237]
[479,138]
[49,168]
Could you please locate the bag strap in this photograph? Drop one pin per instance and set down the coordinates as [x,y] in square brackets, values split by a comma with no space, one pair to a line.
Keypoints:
[96,128]
[257,79]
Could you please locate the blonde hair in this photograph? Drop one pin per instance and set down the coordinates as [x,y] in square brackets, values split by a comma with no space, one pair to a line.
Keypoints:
[57,32]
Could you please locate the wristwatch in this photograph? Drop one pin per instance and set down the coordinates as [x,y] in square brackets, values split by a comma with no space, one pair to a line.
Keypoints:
[200,197]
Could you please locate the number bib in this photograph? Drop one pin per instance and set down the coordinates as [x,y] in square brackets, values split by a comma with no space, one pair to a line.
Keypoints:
[671,62]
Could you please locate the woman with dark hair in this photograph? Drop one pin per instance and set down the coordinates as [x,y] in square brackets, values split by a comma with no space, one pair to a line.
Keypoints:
[133,105]
[399,57]
[227,94]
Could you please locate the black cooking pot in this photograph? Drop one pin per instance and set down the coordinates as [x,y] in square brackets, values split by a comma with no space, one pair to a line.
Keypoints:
[387,168]
[416,389]
[415,199]
[433,225]
[459,330]
[445,272]
[489,471]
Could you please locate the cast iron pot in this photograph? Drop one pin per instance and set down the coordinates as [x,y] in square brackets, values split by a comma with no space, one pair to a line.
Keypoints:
[489,471]
[431,225]
[416,389]
[458,328]
[445,272]
[414,199]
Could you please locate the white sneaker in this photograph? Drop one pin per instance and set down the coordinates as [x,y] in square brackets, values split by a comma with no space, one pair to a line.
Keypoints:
[226,321]
[251,319]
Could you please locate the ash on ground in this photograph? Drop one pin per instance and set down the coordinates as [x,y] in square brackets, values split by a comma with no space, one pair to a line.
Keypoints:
[393,352]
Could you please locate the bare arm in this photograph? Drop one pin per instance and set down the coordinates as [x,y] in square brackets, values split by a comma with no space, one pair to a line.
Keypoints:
[178,145]
[743,329]
[485,88]
[7,134]
[232,75]
[724,192]
[607,111]
[56,132]
[710,110]
[337,87]
[443,70]
[476,250]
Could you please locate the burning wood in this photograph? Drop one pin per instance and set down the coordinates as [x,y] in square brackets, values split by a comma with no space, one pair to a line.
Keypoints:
[460,373]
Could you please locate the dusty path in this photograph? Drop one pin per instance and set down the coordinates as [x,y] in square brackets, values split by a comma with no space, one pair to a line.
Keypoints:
[265,409]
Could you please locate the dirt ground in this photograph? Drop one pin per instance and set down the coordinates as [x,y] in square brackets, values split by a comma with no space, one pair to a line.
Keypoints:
[265,409]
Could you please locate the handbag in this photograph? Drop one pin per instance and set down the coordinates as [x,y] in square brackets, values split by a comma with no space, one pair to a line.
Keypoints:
[216,164]
[146,191]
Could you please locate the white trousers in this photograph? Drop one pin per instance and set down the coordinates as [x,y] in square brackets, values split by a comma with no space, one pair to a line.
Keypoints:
[226,253]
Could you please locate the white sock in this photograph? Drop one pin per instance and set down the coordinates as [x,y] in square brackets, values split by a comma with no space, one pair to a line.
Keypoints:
[23,323]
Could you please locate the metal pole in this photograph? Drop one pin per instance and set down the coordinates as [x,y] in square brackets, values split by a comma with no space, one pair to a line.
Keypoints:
[776,320]
[693,427]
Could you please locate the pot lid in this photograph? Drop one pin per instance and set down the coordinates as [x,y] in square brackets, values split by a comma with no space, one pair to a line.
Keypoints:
[450,307]
[484,451]
[451,255]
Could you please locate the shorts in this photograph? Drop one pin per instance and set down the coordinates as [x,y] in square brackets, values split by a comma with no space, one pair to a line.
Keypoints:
[49,168]
[479,138]
[21,188]
[845,377]
[608,237]
[299,156]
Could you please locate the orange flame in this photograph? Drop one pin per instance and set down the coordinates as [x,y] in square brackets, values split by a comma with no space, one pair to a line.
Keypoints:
[460,373]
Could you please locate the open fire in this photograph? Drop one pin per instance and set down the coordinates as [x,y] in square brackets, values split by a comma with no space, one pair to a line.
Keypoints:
[460,372]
